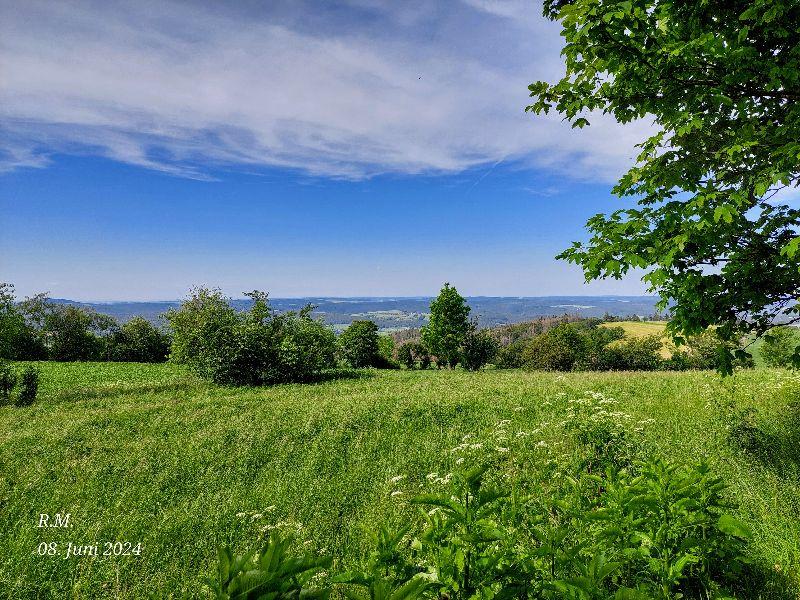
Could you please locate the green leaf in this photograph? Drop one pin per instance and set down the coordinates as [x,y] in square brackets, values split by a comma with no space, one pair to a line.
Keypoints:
[731,526]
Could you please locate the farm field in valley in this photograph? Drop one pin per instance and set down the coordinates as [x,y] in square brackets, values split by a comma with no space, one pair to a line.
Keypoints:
[150,454]
[635,329]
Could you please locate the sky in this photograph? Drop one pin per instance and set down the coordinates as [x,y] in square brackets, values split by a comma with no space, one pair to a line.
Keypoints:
[356,148]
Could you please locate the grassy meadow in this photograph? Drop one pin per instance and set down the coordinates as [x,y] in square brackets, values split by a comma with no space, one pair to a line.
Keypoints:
[149,454]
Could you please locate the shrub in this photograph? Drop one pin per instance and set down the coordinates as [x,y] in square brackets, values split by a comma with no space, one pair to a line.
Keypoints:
[8,379]
[307,347]
[138,340]
[511,356]
[201,321]
[18,338]
[257,347]
[359,344]
[678,361]
[780,346]
[633,354]
[596,341]
[386,358]
[68,332]
[274,572]
[557,349]
[705,350]
[414,355]
[478,349]
[29,386]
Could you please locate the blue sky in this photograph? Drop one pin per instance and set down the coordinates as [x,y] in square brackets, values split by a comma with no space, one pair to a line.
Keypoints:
[354,148]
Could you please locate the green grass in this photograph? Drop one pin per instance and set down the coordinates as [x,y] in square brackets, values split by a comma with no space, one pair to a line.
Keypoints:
[150,454]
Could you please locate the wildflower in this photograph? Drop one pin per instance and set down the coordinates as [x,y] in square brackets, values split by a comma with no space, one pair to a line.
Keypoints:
[503,450]
[397,479]
[396,493]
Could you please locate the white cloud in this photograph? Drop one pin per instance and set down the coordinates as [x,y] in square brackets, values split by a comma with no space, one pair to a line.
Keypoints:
[370,88]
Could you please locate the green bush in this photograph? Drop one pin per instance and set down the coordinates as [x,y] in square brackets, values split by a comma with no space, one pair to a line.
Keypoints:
[257,347]
[307,347]
[704,351]
[656,530]
[197,325]
[138,340]
[595,356]
[478,349]
[67,332]
[359,344]
[633,354]
[18,338]
[8,379]
[29,387]
[781,347]
[386,359]
[557,349]
[414,355]
[511,355]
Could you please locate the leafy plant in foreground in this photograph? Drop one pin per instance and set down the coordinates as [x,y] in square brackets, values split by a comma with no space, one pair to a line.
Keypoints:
[463,536]
[272,574]
[388,575]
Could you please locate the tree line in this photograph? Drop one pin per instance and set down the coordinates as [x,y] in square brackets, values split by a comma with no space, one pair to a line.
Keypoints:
[261,346]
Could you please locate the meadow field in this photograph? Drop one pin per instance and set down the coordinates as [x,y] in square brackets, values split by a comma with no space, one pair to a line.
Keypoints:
[149,454]
[638,329]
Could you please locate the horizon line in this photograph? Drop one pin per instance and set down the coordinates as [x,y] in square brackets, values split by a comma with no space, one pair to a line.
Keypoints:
[395,297]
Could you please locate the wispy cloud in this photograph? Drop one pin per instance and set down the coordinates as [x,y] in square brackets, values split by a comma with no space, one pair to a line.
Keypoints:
[350,90]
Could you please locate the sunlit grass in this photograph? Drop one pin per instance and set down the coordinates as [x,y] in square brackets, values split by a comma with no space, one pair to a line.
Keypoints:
[148,453]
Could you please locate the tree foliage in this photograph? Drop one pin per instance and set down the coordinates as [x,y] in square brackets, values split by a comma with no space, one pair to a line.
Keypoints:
[478,349]
[257,347]
[18,337]
[67,332]
[359,344]
[449,323]
[138,340]
[778,349]
[721,82]
[414,355]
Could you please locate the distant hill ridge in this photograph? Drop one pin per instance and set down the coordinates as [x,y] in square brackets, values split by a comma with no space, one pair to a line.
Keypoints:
[397,313]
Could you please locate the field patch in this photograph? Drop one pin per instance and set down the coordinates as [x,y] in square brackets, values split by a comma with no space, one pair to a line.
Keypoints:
[636,329]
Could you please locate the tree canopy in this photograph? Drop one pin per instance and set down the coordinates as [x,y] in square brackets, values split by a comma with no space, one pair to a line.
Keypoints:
[448,325]
[711,226]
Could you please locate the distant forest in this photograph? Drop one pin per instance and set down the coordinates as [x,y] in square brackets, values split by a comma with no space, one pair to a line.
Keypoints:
[394,314]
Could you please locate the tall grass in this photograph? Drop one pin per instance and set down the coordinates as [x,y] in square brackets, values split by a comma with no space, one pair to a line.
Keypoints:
[147,453]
